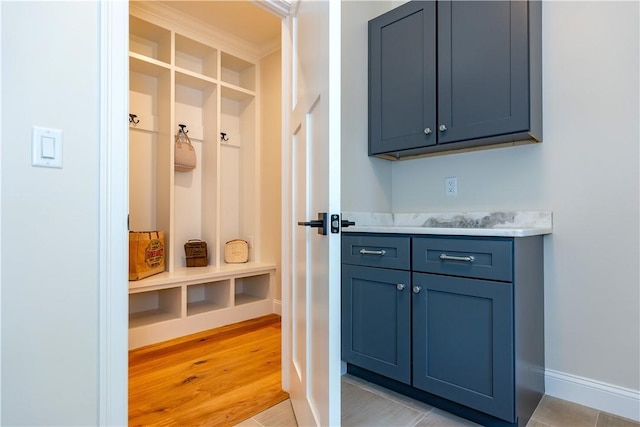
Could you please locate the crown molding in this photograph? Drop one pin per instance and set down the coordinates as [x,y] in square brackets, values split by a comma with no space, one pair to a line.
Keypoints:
[280,8]
[176,20]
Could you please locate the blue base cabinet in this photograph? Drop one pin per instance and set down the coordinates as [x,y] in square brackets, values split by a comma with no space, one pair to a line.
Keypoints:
[455,321]
[376,304]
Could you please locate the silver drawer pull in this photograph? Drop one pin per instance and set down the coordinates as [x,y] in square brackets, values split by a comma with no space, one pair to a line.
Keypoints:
[400,286]
[369,252]
[446,257]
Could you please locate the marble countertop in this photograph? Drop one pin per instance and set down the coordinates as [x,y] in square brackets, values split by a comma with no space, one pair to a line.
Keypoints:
[497,224]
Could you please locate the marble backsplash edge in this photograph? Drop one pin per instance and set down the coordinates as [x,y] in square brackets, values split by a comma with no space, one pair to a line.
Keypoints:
[497,219]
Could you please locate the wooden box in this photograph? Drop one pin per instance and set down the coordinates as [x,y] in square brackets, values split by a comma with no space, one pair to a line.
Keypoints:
[196,253]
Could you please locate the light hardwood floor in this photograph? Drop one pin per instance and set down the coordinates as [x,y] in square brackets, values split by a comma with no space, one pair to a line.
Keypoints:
[214,378]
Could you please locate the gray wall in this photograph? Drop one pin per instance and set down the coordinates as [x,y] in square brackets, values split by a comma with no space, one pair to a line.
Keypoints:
[585,171]
[50,216]
[366,182]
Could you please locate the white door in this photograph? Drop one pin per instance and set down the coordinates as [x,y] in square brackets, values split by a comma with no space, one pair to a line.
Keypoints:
[311,162]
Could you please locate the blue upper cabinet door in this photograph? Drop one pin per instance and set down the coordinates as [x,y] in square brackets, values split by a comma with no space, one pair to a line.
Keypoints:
[483,69]
[402,78]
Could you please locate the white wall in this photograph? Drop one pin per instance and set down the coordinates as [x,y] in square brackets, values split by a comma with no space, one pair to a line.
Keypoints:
[366,182]
[591,182]
[270,162]
[585,171]
[50,216]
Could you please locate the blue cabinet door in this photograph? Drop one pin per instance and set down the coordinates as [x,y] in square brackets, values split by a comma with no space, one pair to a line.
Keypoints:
[376,320]
[483,69]
[463,342]
[402,78]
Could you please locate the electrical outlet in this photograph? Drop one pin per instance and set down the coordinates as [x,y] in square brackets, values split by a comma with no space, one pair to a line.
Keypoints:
[451,186]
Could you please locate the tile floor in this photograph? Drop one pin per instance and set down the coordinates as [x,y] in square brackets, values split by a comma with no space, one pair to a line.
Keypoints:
[366,404]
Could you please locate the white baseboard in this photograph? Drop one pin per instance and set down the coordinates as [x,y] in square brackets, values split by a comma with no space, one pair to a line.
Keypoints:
[277,307]
[613,399]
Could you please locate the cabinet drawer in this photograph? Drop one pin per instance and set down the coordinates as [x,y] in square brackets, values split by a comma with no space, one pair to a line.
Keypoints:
[468,257]
[377,251]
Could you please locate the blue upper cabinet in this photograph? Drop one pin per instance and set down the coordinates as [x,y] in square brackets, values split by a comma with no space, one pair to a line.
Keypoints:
[452,75]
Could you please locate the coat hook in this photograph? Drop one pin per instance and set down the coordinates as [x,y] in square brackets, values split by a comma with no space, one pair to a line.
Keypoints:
[223,136]
[182,128]
[132,119]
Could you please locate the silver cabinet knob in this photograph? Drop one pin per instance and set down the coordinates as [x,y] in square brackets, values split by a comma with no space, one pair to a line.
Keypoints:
[416,289]
[400,286]
[442,128]
[427,131]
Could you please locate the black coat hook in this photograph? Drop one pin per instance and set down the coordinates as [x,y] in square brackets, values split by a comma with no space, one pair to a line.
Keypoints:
[182,128]
[223,136]
[132,119]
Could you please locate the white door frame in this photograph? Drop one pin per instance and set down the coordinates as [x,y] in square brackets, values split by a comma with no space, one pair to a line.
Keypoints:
[0,220]
[113,279]
[286,194]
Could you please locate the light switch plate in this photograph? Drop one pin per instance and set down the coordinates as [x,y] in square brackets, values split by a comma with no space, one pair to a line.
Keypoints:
[46,147]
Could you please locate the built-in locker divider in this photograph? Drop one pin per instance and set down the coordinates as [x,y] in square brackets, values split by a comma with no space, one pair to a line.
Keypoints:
[143,143]
[238,168]
[164,166]
[195,106]
[150,111]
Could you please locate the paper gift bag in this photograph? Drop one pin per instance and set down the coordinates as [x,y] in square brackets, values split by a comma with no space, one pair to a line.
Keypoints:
[146,254]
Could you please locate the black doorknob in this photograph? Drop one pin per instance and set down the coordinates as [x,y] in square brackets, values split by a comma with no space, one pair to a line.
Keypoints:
[320,223]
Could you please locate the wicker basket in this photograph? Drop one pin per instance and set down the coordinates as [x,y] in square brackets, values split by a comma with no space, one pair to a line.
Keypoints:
[236,251]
